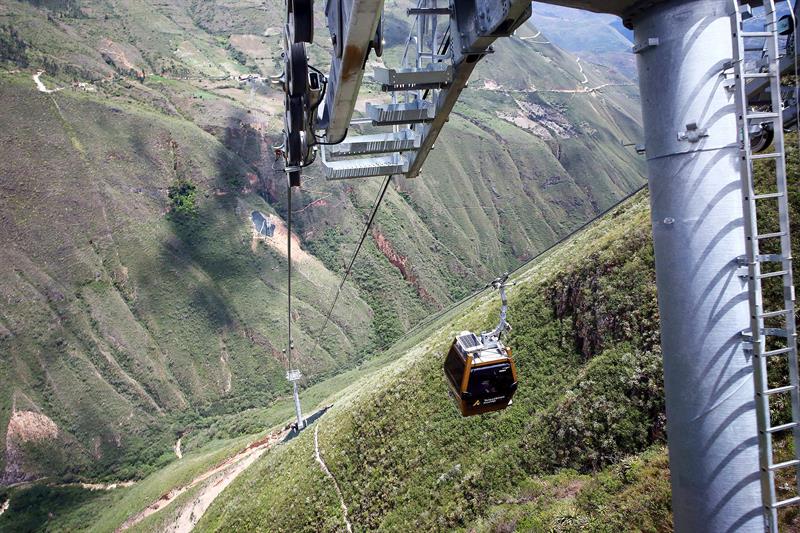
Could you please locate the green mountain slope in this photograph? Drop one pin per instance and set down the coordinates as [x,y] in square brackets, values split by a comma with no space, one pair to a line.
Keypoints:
[124,325]
[117,315]
[404,458]
[581,447]
[598,38]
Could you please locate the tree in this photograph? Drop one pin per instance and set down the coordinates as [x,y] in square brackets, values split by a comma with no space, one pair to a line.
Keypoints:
[182,197]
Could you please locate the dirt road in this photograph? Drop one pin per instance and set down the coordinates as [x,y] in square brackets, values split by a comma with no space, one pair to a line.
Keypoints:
[213,482]
[41,86]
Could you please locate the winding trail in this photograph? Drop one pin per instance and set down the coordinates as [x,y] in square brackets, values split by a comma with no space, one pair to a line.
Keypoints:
[178,452]
[531,39]
[41,86]
[579,90]
[191,513]
[580,66]
[5,507]
[98,486]
[214,482]
[324,467]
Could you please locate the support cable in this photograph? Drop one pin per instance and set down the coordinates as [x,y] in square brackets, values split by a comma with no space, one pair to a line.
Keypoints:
[364,234]
[289,270]
[293,374]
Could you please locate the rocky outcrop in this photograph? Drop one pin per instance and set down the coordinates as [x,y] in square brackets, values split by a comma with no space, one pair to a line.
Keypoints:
[25,428]
[401,263]
[597,299]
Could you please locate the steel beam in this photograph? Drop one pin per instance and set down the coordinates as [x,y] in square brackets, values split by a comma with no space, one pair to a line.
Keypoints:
[353,25]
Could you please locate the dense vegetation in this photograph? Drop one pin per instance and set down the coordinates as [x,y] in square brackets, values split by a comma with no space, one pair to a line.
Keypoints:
[183,197]
[12,48]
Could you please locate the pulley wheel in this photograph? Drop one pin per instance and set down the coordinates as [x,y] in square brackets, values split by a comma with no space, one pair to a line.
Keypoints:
[377,43]
[301,20]
[294,148]
[297,69]
[762,139]
[294,114]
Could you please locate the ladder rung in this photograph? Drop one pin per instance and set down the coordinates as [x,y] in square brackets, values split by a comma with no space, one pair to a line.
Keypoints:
[771,235]
[761,116]
[757,75]
[775,332]
[766,332]
[779,351]
[762,258]
[782,427]
[786,503]
[755,34]
[772,274]
[768,195]
[785,464]
[772,258]
[773,314]
[428,11]
[778,390]
[773,155]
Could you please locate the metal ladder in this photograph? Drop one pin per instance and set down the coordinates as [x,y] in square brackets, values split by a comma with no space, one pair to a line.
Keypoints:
[424,72]
[445,44]
[770,339]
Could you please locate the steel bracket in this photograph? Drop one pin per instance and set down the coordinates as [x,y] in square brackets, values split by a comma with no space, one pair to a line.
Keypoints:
[693,133]
[646,45]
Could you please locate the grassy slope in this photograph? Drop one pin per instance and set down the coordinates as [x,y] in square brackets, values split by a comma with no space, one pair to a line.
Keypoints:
[113,301]
[580,448]
[404,457]
[122,324]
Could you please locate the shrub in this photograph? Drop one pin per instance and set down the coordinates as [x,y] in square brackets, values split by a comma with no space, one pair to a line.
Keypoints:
[182,197]
[12,47]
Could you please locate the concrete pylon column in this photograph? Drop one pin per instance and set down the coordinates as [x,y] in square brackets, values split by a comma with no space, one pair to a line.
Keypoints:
[692,152]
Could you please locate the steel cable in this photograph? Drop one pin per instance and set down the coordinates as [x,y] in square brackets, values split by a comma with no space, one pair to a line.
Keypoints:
[364,234]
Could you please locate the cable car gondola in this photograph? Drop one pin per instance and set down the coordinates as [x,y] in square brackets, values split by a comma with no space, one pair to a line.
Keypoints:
[479,369]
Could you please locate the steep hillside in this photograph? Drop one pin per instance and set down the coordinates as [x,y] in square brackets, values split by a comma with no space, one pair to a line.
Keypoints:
[590,396]
[600,39]
[116,314]
[125,323]
[581,447]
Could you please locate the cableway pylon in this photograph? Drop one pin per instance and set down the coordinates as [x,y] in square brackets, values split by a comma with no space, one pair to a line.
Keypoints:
[393,138]
[772,336]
